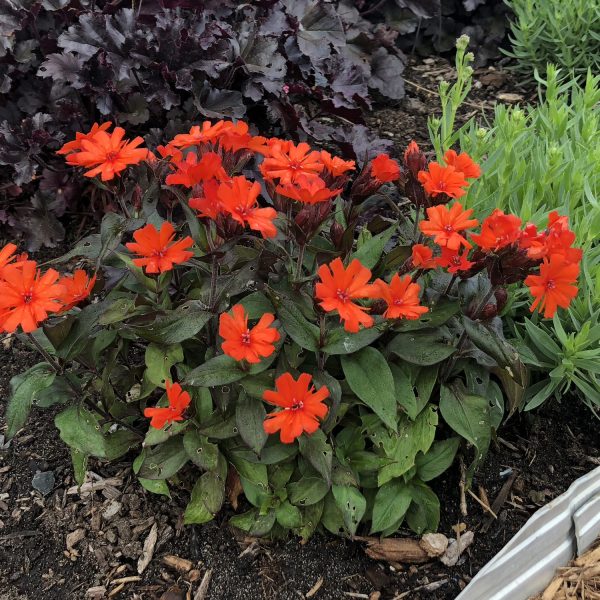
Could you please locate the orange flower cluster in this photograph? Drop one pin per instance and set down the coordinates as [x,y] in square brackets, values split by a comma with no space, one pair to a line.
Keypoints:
[503,242]
[28,296]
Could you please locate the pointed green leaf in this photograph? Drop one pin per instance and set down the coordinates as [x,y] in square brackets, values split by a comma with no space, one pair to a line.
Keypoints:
[391,503]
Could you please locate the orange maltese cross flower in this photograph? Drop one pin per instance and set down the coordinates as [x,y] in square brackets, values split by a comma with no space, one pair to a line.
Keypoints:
[384,169]
[444,225]
[454,261]
[208,205]
[308,190]
[244,343]
[7,258]
[402,298]
[498,231]
[192,171]
[158,250]
[288,164]
[443,180]
[200,134]
[463,163]
[554,286]
[75,145]
[422,257]
[239,199]
[336,165]
[108,154]
[178,402]
[77,288]
[302,407]
[27,296]
[339,286]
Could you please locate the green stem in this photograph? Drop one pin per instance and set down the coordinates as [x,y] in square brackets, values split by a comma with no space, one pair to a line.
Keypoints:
[300,262]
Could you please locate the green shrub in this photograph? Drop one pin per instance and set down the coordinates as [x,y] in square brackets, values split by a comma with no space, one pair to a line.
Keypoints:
[565,32]
[537,159]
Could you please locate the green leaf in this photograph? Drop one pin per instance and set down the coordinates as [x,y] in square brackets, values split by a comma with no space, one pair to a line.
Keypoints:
[119,442]
[255,385]
[307,491]
[318,453]
[78,338]
[402,447]
[176,326]
[218,427]
[80,461]
[119,310]
[250,415]
[352,505]
[438,314]
[339,341]
[391,503]
[80,429]
[200,451]
[302,331]
[207,498]
[159,360]
[370,378]
[468,415]
[424,511]
[60,392]
[311,517]
[288,515]
[155,486]
[158,436]
[371,250]
[23,391]
[256,305]
[404,391]
[253,522]
[437,459]
[420,348]
[219,370]
[162,462]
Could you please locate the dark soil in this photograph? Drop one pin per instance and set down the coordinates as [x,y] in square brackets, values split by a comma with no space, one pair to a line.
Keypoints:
[58,546]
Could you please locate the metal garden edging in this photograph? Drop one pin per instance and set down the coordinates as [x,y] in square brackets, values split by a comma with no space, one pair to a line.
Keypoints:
[551,538]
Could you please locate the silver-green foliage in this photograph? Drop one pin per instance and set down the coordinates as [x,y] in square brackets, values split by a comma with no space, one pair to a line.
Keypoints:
[564,32]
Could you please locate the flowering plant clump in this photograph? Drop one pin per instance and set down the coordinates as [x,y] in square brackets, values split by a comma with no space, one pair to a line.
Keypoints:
[243,274]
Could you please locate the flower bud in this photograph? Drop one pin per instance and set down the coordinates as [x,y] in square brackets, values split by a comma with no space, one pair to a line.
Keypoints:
[501,296]
[336,231]
[414,159]
[462,42]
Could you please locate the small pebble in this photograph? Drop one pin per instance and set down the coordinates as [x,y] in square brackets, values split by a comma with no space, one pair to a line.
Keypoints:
[43,482]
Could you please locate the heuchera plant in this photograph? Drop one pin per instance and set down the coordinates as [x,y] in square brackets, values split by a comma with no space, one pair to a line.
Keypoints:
[260,316]
[160,65]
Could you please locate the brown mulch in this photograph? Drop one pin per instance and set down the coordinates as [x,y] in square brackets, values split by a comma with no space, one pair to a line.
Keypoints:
[580,580]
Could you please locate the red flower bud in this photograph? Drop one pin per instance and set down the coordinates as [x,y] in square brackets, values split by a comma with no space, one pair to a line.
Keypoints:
[414,159]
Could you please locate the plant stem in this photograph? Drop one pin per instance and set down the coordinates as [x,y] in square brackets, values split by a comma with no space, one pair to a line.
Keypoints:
[49,358]
[300,262]
[450,285]
[213,283]
[417,214]
[463,336]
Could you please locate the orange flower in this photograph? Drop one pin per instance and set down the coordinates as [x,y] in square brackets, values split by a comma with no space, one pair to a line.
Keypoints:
[287,164]
[454,261]
[75,145]
[402,297]
[384,169]
[554,286]
[239,199]
[27,296]
[108,154]
[335,165]
[208,205]
[339,286]
[422,257]
[497,231]
[192,171]
[178,402]
[199,134]
[463,163]
[159,254]
[236,136]
[302,407]
[243,343]
[309,190]
[556,239]
[443,180]
[77,288]
[444,225]
[170,152]
[270,144]
[7,256]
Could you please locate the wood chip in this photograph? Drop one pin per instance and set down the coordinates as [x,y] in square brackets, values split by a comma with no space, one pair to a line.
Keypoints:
[204,585]
[74,538]
[95,486]
[401,550]
[182,565]
[315,588]
[499,501]
[434,544]
[129,579]
[148,550]
[510,97]
[456,548]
